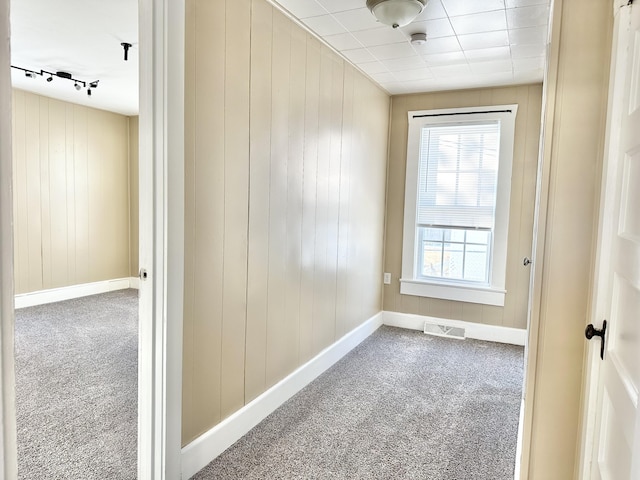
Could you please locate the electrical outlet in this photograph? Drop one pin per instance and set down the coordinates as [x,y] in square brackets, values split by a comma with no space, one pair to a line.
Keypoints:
[387,278]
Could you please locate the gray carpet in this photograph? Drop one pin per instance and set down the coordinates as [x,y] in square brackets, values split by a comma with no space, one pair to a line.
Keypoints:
[76,388]
[402,405]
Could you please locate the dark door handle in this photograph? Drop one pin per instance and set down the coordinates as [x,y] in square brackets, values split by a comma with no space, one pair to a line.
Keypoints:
[592,331]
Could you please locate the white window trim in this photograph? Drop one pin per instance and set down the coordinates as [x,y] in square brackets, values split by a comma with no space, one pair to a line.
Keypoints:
[494,293]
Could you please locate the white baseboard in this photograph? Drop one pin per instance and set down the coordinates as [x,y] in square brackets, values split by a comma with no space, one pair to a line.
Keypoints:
[478,331]
[197,454]
[74,291]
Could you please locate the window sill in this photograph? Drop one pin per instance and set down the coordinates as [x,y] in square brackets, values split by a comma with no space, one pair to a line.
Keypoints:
[460,293]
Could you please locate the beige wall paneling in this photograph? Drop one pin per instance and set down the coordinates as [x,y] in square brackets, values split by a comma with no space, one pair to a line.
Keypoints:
[575,117]
[290,334]
[71,194]
[285,207]
[190,122]
[236,204]
[108,195]
[514,313]
[47,276]
[309,188]
[81,190]
[210,31]
[58,234]
[134,204]
[276,356]
[342,272]
[260,168]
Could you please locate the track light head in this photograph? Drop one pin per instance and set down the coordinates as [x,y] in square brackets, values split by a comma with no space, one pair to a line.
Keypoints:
[29,74]
[89,92]
[94,84]
[49,78]
[77,86]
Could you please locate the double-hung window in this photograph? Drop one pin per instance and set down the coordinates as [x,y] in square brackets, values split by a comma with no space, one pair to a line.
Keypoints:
[457,192]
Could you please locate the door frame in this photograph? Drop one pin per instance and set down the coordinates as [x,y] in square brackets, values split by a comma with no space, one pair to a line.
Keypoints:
[8,451]
[161,40]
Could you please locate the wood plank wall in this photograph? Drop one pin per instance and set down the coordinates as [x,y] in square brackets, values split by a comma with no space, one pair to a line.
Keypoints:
[286,154]
[523,185]
[71,203]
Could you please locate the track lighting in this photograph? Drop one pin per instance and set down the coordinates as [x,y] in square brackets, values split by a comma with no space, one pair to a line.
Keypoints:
[78,84]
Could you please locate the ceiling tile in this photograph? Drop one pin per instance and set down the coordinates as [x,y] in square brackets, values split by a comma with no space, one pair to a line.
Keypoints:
[524,3]
[373,67]
[394,50]
[498,66]
[439,45]
[433,28]
[333,6]
[528,16]
[412,75]
[466,7]
[533,63]
[451,58]
[359,19]
[484,40]
[480,22]
[383,77]
[379,36]
[485,54]
[343,41]
[432,11]
[525,51]
[308,8]
[324,25]
[359,55]
[405,63]
[451,70]
[531,76]
[492,79]
[528,36]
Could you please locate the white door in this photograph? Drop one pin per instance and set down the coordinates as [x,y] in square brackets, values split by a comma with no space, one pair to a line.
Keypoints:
[612,448]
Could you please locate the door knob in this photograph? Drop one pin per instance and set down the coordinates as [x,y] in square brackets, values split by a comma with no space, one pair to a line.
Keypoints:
[526,261]
[592,331]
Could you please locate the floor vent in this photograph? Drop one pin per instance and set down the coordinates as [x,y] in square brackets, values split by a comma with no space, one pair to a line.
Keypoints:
[444,331]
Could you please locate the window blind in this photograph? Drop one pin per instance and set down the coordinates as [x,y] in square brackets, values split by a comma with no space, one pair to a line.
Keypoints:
[457,175]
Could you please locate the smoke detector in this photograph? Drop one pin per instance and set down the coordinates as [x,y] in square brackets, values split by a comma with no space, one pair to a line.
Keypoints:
[418,38]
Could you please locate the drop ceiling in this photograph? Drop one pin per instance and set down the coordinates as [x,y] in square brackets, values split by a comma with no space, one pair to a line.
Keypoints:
[470,43]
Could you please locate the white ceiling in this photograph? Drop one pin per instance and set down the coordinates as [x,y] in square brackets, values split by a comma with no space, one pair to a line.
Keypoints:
[81,37]
[470,43]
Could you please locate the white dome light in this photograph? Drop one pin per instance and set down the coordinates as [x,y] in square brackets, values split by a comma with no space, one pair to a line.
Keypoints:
[396,13]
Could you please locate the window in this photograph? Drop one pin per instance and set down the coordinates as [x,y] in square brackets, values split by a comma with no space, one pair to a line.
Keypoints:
[457,203]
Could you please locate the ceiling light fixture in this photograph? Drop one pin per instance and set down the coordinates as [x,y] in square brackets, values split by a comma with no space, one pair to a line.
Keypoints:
[126,47]
[396,13]
[78,84]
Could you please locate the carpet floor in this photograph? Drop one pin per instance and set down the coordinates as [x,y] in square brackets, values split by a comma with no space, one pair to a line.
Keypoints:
[76,388]
[402,405]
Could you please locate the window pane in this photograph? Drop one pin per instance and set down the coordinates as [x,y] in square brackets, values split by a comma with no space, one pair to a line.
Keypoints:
[475,267]
[454,235]
[452,262]
[478,236]
[432,234]
[431,259]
